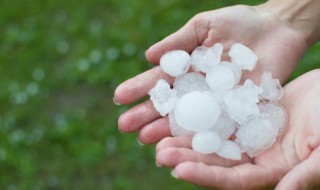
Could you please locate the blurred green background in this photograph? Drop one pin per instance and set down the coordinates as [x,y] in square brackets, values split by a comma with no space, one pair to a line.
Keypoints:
[60,63]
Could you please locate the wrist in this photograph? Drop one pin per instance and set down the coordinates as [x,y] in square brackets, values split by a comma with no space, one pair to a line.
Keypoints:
[303,16]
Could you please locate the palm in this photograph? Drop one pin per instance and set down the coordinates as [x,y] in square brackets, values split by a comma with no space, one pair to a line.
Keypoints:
[294,145]
[277,46]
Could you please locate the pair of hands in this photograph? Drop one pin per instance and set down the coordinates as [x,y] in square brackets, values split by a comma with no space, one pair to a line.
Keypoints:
[293,162]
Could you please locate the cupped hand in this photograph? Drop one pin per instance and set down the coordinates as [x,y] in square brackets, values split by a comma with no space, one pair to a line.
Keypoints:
[278,47]
[293,162]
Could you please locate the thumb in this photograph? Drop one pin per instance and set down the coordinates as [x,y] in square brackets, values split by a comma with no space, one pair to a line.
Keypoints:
[305,175]
[187,38]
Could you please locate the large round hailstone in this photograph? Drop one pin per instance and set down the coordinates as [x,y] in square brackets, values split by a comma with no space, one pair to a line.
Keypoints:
[206,142]
[175,62]
[196,111]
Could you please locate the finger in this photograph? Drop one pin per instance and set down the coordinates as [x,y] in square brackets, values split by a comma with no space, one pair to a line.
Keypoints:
[155,131]
[178,142]
[138,86]
[138,116]
[306,175]
[245,176]
[172,156]
[187,38]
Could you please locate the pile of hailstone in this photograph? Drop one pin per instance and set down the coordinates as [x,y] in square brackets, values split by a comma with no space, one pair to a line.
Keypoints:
[209,104]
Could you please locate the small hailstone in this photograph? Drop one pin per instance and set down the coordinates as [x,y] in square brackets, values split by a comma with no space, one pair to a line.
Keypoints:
[206,142]
[189,82]
[256,136]
[163,97]
[175,62]
[225,126]
[236,69]
[243,56]
[220,79]
[223,77]
[272,89]
[229,150]
[203,58]
[242,102]
[196,111]
[276,112]
[177,130]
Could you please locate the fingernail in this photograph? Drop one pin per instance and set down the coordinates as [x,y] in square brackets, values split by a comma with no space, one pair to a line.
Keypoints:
[158,165]
[139,142]
[120,131]
[174,175]
[115,101]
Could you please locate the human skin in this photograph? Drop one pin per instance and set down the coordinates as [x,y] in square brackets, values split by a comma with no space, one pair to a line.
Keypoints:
[279,32]
[278,44]
[293,160]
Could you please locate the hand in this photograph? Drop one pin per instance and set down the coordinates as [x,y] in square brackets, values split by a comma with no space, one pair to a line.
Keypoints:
[293,161]
[278,46]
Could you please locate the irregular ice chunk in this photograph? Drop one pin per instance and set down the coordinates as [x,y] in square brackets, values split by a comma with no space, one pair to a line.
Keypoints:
[206,142]
[163,97]
[203,58]
[243,56]
[223,77]
[257,135]
[276,112]
[229,150]
[177,130]
[190,82]
[196,111]
[225,126]
[175,62]
[242,102]
[272,89]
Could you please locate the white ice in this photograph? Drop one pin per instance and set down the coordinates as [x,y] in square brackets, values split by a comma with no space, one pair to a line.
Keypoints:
[177,130]
[225,126]
[203,58]
[229,150]
[196,111]
[175,63]
[236,69]
[272,89]
[243,56]
[257,135]
[206,142]
[163,97]
[242,102]
[189,82]
[223,77]
[276,113]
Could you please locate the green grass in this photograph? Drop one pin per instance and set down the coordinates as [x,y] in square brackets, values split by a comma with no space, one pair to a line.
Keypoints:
[60,63]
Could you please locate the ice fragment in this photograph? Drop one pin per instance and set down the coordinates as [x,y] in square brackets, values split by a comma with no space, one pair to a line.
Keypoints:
[204,58]
[163,97]
[243,56]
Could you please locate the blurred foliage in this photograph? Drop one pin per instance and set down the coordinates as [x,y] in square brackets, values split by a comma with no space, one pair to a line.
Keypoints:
[60,63]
